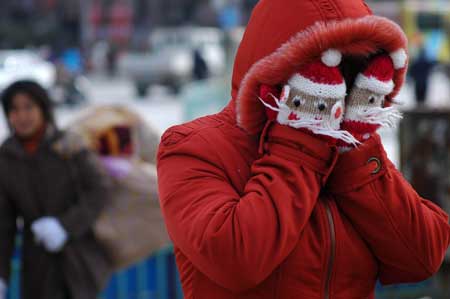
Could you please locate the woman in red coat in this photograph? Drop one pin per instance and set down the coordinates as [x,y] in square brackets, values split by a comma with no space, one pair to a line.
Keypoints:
[288,192]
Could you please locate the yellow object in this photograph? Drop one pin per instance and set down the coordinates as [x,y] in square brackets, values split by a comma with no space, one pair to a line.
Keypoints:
[416,36]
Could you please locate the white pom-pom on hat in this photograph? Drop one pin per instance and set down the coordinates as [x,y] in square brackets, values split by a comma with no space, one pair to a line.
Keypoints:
[399,58]
[331,57]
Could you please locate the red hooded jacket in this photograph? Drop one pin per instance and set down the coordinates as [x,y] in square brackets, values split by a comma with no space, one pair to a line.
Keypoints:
[257,210]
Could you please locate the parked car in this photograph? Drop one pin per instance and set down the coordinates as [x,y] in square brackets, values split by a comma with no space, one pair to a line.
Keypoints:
[25,65]
[170,60]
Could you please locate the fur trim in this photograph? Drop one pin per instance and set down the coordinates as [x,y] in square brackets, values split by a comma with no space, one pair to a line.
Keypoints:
[361,36]
[372,84]
[331,91]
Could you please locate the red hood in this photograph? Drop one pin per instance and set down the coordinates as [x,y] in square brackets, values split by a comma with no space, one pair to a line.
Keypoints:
[284,34]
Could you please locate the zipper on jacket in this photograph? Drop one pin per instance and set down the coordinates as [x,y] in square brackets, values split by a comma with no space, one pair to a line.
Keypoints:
[332,249]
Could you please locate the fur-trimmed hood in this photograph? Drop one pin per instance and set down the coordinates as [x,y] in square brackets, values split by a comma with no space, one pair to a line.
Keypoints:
[284,34]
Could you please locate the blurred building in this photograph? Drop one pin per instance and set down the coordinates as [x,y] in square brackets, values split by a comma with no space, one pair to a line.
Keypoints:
[26,23]
[64,23]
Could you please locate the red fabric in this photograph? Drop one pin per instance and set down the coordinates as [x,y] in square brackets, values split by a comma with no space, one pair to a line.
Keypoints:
[381,68]
[358,130]
[267,94]
[31,144]
[280,214]
[249,225]
[357,127]
[319,73]
[407,234]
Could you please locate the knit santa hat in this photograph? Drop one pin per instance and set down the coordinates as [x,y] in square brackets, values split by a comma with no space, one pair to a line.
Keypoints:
[321,78]
[379,74]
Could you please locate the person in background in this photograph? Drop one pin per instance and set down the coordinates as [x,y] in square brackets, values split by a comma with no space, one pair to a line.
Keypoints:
[420,71]
[111,59]
[60,257]
[200,71]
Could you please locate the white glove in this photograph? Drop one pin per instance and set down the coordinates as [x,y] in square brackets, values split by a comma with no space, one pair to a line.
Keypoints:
[3,288]
[49,232]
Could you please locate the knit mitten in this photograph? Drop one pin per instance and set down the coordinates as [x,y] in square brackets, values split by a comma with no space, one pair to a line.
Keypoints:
[49,232]
[366,109]
[312,100]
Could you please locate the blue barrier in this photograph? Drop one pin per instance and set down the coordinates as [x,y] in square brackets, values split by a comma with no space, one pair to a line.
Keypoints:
[14,284]
[154,278]
[407,291]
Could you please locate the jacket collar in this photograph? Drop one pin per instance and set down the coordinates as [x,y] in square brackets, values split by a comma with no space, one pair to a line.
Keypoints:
[13,147]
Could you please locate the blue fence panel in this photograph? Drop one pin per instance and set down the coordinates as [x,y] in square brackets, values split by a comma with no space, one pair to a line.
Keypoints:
[408,291]
[154,278]
[14,284]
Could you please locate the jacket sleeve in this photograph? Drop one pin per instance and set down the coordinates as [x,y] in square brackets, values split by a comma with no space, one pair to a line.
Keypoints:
[409,235]
[93,187]
[8,217]
[238,238]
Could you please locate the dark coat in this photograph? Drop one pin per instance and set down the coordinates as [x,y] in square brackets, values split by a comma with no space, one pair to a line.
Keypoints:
[43,184]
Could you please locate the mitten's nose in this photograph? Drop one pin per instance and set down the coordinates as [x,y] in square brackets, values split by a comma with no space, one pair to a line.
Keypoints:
[337,111]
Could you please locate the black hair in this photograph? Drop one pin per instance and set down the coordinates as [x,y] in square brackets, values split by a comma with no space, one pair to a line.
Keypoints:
[37,94]
[351,66]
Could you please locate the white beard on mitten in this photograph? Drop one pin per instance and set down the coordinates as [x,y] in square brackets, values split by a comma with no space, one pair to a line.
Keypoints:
[49,232]
[312,100]
[365,110]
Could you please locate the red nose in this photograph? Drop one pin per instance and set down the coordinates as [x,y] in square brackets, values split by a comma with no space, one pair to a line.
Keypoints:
[293,116]
[338,113]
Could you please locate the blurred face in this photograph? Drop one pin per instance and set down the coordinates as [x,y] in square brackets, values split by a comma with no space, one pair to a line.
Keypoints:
[25,116]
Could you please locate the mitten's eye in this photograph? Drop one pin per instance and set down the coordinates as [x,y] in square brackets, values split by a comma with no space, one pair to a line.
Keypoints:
[371,99]
[298,101]
[321,105]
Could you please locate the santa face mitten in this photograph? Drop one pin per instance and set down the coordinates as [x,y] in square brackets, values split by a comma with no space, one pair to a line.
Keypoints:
[365,109]
[312,100]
